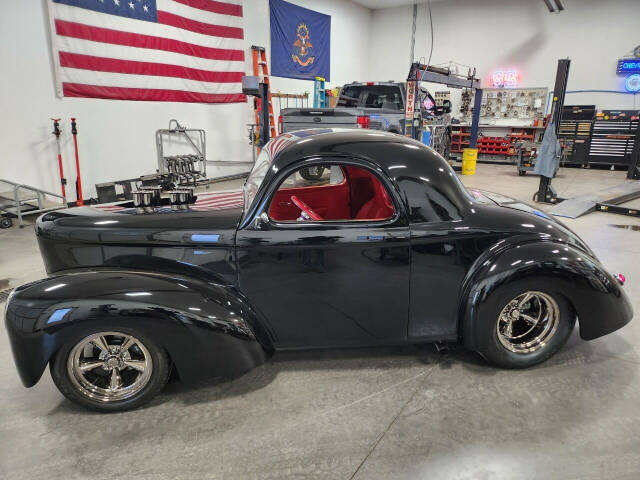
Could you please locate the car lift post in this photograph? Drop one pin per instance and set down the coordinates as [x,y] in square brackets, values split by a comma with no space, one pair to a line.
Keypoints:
[428,73]
[546,193]
[475,118]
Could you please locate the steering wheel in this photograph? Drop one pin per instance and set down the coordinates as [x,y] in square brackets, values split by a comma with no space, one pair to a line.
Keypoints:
[305,209]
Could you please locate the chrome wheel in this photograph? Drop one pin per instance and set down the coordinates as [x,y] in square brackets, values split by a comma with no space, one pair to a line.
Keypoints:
[109,366]
[527,323]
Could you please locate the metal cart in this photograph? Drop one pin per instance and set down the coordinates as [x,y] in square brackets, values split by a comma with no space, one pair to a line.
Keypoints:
[526,152]
[188,169]
[21,200]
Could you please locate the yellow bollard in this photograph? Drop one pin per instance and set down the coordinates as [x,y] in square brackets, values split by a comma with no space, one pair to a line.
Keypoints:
[469,157]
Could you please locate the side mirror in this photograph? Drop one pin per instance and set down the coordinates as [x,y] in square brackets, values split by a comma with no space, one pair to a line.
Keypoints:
[260,221]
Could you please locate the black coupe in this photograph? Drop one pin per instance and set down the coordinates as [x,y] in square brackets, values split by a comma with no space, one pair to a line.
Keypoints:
[385,247]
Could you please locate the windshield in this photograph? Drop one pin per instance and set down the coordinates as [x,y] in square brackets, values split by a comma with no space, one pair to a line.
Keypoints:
[255,178]
[371,96]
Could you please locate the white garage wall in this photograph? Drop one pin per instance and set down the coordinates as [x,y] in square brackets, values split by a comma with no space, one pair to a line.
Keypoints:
[117,137]
[493,34]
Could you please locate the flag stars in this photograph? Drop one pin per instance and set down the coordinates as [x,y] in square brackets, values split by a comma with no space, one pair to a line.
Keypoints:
[117,2]
[145,8]
[131,5]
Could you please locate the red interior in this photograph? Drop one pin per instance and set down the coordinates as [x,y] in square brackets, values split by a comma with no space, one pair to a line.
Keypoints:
[360,197]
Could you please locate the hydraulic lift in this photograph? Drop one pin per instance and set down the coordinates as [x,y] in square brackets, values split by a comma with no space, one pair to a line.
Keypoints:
[442,75]
[546,193]
[605,200]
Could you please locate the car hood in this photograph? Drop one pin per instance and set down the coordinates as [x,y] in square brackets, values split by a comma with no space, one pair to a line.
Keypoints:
[508,202]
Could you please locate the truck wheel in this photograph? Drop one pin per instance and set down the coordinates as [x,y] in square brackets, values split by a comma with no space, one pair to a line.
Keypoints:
[6,222]
[110,369]
[523,324]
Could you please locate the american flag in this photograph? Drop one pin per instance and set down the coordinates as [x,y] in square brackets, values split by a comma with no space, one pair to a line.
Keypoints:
[155,50]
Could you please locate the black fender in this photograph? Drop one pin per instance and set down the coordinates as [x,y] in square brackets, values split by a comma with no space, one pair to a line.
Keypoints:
[598,300]
[208,330]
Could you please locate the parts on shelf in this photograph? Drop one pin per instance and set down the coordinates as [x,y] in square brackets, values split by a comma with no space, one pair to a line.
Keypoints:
[492,145]
[508,103]
[495,146]
[441,97]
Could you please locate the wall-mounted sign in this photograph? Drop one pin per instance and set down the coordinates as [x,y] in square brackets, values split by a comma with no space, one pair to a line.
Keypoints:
[504,78]
[628,65]
[632,83]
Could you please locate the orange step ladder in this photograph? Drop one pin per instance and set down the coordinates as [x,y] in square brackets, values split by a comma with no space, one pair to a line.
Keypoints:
[261,70]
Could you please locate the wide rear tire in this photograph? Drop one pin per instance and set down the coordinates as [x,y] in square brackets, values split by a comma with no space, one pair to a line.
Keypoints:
[523,324]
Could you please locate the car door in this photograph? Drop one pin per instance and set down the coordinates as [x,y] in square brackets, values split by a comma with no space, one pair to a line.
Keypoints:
[328,283]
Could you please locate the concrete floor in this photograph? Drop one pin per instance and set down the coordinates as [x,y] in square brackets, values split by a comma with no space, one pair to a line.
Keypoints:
[370,413]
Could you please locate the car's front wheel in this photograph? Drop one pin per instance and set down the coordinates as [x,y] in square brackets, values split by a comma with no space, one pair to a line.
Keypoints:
[523,324]
[110,369]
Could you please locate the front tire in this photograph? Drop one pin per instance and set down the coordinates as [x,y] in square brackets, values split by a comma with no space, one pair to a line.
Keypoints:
[110,369]
[523,324]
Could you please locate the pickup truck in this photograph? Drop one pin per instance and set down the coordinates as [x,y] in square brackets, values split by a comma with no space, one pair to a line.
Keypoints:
[374,105]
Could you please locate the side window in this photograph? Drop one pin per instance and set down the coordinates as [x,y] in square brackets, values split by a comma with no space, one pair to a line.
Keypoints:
[331,193]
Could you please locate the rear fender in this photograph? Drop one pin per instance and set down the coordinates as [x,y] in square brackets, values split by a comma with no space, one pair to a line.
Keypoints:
[598,300]
[208,330]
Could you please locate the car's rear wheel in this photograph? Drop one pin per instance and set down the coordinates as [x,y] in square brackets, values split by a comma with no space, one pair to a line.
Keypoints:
[111,369]
[523,324]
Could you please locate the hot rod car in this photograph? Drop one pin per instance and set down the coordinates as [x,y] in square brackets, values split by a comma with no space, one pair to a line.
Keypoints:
[388,247]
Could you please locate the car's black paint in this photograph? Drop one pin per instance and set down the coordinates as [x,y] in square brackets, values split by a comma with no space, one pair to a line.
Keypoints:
[317,271]
[597,299]
[422,275]
[171,242]
[208,330]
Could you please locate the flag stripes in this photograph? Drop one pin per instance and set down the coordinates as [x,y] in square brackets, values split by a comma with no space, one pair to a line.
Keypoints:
[215,7]
[115,37]
[113,65]
[173,20]
[150,50]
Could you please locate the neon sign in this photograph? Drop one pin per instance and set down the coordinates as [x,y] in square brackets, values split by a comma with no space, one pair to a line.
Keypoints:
[628,65]
[632,83]
[504,78]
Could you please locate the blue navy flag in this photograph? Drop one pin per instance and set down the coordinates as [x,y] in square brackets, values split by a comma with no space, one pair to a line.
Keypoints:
[300,41]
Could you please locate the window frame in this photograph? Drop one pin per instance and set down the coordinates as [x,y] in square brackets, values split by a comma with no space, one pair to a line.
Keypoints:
[263,210]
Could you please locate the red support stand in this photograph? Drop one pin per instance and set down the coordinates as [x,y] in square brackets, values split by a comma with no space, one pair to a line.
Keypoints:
[74,131]
[56,132]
